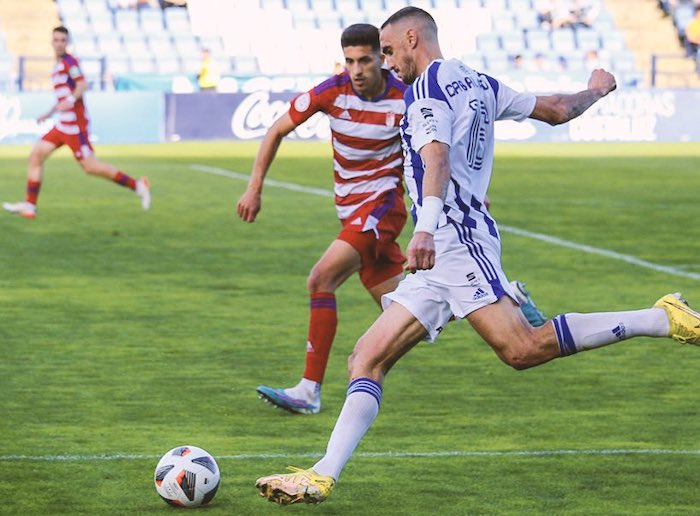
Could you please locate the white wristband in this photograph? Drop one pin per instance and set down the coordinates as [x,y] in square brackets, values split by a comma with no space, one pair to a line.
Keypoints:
[429,214]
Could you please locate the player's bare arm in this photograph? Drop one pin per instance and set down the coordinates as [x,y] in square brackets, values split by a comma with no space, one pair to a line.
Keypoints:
[561,108]
[421,248]
[250,202]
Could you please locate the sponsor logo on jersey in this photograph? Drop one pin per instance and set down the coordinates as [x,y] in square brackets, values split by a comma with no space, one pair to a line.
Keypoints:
[390,119]
[302,102]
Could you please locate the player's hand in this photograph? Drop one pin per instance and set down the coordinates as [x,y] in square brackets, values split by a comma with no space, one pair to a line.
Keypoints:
[602,80]
[421,252]
[249,206]
[43,118]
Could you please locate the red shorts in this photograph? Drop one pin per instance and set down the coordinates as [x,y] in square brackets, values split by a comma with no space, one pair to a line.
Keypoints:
[78,143]
[372,230]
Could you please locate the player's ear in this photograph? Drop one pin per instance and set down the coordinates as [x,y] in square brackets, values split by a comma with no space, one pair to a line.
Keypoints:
[411,38]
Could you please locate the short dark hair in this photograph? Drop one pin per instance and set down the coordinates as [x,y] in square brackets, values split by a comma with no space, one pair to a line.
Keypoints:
[405,12]
[360,34]
[61,29]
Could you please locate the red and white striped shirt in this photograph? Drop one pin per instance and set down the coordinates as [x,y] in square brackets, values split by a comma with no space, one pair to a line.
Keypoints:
[64,76]
[367,155]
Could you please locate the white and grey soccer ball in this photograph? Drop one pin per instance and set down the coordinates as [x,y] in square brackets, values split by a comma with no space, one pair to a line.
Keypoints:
[187,476]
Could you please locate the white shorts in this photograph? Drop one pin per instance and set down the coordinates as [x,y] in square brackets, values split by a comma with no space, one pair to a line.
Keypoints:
[467,276]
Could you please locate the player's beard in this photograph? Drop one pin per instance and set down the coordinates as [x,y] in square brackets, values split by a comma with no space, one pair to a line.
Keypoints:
[408,71]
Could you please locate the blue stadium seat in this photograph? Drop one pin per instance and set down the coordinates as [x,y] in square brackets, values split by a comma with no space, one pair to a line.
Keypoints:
[612,41]
[488,42]
[391,6]
[111,44]
[176,20]
[187,47]
[151,20]
[304,20]
[214,43]
[426,5]
[102,22]
[587,39]
[502,22]
[513,42]
[343,6]
[298,5]
[136,46]
[538,40]
[168,65]
[520,6]
[322,6]
[563,40]
[143,65]
[374,7]
[272,4]
[245,64]
[161,44]
[496,6]
[351,17]
[527,20]
[329,20]
[497,62]
[624,61]
[85,43]
[118,65]
[70,8]
[127,21]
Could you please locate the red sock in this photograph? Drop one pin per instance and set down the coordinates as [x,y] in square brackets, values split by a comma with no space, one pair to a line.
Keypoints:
[323,321]
[33,191]
[125,180]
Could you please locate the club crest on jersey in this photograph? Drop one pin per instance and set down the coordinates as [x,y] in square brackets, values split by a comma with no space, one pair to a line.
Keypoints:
[390,119]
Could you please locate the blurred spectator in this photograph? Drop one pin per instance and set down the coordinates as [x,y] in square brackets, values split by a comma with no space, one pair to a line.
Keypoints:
[209,73]
[692,34]
[554,14]
[582,13]
[539,63]
[147,4]
[172,3]
[591,60]
[518,63]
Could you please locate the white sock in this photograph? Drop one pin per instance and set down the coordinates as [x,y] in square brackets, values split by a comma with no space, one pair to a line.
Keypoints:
[359,411]
[305,390]
[580,332]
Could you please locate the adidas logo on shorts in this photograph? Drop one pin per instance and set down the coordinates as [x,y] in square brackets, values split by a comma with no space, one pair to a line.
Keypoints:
[479,294]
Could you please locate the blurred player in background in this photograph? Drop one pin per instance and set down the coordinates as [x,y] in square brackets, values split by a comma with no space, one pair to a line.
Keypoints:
[71,130]
[448,133]
[365,104]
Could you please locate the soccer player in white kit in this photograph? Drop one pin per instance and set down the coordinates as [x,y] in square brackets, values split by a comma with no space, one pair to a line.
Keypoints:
[448,139]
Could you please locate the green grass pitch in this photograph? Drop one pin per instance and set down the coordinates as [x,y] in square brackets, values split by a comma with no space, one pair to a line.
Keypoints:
[124,334]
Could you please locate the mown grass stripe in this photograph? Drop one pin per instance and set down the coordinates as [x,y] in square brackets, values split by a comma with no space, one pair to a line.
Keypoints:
[673,271]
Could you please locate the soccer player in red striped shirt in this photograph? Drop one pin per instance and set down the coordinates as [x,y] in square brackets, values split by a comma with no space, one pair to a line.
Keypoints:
[71,130]
[365,105]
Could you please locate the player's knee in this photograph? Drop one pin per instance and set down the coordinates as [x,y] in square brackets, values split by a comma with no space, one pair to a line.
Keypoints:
[88,167]
[318,281]
[362,362]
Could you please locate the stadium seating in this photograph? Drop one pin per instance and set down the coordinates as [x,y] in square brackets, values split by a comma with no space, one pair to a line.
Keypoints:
[163,41]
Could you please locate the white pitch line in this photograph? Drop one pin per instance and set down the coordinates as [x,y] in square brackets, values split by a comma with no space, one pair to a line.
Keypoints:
[388,454]
[673,271]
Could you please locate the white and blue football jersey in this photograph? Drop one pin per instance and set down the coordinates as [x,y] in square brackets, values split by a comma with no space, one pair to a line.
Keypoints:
[456,105]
